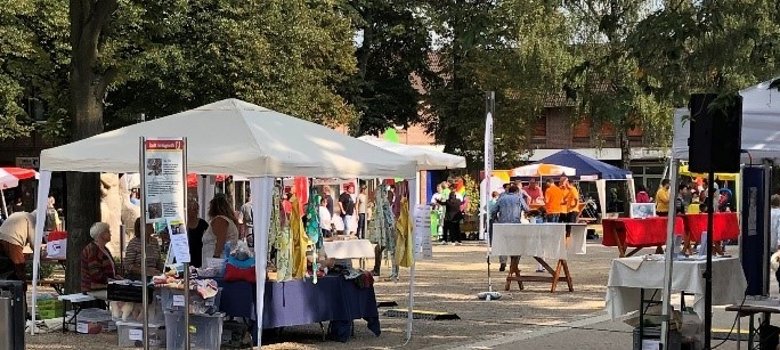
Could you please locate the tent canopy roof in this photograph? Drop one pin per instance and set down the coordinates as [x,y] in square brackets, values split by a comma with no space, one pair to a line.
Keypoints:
[587,166]
[760,124]
[235,137]
[426,159]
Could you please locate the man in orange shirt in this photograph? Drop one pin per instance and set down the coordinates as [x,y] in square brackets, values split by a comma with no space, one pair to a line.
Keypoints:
[571,200]
[553,198]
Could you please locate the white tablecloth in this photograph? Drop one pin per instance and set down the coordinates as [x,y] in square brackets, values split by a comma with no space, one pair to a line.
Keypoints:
[547,241]
[628,275]
[349,249]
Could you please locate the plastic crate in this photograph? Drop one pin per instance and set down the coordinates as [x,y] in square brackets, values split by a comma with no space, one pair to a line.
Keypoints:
[94,321]
[173,300]
[131,335]
[49,314]
[205,331]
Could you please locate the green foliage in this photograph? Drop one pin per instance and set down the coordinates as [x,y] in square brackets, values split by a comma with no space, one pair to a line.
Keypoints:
[33,65]
[392,60]
[516,48]
[162,57]
[285,55]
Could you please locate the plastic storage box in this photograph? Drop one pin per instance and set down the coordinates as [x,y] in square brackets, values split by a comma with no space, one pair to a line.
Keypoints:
[173,300]
[131,335]
[205,331]
[94,321]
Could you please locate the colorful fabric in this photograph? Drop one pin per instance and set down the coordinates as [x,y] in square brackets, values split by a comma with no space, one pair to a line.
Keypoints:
[281,232]
[300,241]
[313,230]
[403,228]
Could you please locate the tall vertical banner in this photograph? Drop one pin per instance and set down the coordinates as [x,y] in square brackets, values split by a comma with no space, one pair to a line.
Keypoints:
[164,191]
[488,156]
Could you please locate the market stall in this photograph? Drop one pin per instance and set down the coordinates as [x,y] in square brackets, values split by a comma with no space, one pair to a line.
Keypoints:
[232,137]
[548,241]
[589,169]
[629,276]
[625,233]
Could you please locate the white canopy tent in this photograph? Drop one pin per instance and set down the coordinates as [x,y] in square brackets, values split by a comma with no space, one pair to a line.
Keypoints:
[231,137]
[760,124]
[760,139]
[427,159]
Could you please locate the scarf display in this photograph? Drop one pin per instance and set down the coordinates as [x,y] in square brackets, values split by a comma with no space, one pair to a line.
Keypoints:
[281,231]
[313,230]
[404,240]
[300,241]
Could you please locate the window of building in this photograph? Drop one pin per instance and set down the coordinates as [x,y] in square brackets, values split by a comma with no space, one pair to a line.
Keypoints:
[540,128]
[581,130]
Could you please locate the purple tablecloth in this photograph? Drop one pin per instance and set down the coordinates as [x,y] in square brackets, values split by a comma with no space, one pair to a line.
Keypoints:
[301,302]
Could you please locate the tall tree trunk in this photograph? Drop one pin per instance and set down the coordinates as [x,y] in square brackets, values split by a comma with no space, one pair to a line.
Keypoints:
[87,89]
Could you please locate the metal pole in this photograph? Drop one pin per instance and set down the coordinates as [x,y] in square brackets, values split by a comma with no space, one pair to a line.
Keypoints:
[186,264]
[668,257]
[490,108]
[144,294]
[5,207]
[708,270]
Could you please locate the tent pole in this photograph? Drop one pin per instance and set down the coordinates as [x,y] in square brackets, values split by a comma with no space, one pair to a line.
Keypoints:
[5,206]
[668,256]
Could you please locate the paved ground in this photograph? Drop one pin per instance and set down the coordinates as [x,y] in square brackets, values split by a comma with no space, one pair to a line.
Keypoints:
[531,319]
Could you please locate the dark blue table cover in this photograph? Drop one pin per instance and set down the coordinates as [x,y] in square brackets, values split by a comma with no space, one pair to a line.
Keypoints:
[301,302]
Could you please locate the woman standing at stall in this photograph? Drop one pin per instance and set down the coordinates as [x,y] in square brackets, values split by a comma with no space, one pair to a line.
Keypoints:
[223,228]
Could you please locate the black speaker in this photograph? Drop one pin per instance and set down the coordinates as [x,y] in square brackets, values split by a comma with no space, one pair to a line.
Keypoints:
[715,141]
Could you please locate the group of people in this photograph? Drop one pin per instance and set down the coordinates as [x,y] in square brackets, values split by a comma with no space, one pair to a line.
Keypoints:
[691,197]
[348,205]
[98,265]
[556,202]
[449,205]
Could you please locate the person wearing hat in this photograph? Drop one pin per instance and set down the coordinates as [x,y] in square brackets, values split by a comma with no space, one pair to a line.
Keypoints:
[17,232]
[97,264]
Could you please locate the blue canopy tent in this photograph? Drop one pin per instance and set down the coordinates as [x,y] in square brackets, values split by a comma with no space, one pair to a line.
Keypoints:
[589,169]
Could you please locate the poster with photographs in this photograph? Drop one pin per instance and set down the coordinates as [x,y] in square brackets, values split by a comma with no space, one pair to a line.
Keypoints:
[163,189]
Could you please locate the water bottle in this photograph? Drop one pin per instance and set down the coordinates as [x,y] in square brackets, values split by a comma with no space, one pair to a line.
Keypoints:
[703,245]
[676,248]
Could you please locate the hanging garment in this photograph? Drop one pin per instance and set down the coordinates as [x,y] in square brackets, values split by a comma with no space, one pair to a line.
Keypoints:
[404,239]
[282,240]
[300,241]
[313,230]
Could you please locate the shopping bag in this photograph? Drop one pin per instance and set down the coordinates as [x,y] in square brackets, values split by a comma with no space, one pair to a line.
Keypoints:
[57,245]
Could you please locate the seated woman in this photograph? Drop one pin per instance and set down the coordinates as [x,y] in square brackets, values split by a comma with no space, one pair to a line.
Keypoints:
[97,264]
[154,262]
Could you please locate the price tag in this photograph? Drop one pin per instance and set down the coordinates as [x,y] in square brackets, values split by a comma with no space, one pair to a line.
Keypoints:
[82,327]
[136,334]
[178,300]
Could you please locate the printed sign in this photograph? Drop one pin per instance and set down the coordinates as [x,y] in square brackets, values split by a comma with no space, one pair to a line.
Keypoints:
[178,300]
[423,249]
[164,184]
[136,334]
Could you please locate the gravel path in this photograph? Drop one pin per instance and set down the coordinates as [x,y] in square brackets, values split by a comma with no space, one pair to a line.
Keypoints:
[448,283]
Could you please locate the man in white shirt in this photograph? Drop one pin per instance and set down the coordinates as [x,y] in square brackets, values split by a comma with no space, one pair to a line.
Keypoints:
[16,232]
[326,220]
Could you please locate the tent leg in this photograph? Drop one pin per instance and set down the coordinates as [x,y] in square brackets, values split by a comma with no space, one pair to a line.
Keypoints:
[5,206]
[670,248]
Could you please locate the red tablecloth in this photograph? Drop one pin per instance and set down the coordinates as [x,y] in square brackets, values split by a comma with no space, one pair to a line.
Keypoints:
[636,233]
[725,226]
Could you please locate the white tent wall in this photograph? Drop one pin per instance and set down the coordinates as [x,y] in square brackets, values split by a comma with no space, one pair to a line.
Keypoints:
[601,188]
[760,124]
[44,183]
[413,190]
[262,190]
